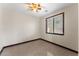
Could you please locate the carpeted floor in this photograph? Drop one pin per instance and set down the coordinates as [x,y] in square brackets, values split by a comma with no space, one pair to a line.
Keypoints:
[37,48]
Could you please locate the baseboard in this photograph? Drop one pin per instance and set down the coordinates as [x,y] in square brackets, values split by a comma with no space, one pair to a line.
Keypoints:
[18,44]
[60,45]
[36,40]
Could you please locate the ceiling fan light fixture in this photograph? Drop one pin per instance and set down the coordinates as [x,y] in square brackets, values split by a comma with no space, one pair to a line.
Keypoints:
[34,6]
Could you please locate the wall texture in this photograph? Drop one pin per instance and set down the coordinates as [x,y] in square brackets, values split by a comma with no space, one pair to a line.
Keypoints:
[16,27]
[70,38]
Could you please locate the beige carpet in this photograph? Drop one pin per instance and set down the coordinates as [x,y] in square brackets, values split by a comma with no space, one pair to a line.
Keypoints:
[37,48]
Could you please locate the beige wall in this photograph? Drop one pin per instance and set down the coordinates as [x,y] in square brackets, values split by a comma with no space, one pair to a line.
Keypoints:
[70,38]
[78,28]
[16,27]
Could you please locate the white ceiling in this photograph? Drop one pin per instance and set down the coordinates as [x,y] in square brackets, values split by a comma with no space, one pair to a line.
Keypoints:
[50,7]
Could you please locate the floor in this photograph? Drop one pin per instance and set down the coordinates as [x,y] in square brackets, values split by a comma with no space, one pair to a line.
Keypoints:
[37,48]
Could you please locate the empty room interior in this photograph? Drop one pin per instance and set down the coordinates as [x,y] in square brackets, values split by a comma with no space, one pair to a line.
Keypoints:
[39,29]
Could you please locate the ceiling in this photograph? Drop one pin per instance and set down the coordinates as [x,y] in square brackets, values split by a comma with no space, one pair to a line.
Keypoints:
[47,8]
